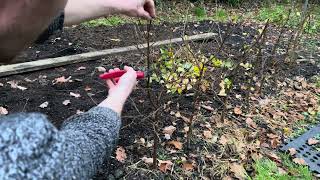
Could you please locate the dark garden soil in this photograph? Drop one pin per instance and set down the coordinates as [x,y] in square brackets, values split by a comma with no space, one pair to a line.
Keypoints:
[82,39]
[93,90]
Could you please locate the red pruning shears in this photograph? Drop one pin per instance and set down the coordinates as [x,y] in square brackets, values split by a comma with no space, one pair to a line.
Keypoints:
[117,74]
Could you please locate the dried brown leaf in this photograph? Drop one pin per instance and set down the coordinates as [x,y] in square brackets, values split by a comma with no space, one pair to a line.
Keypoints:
[292,151]
[176,144]
[147,160]
[223,140]
[75,95]
[3,111]
[81,68]
[299,161]
[61,80]
[188,166]
[44,105]
[66,102]
[237,111]
[164,166]
[121,155]
[209,108]
[169,130]
[79,112]
[207,134]
[238,170]
[14,85]
[1,85]
[313,141]
[251,123]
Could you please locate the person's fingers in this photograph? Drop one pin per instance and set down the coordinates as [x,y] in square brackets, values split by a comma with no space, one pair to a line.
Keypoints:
[110,83]
[128,68]
[144,14]
[149,6]
[111,70]
[116,69]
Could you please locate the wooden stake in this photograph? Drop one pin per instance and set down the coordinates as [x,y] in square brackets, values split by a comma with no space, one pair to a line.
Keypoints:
[6,70]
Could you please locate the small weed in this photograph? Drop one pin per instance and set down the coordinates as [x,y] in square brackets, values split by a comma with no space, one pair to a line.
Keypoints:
[200,12]
[297,171]
[268,170]
[221,15]
[110,21]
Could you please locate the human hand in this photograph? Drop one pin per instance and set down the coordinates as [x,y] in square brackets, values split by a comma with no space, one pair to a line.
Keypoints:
[137,8]
[119,92]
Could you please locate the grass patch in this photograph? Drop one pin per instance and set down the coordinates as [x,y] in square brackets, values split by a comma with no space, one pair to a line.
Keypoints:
[279,13]
[109,21]
[268,170]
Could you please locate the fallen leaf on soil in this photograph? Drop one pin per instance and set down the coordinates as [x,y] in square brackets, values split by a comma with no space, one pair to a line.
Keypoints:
[81,68]
[66,102]
[272,136]
[101,69]
[75,95]
[207,134]
[87,88]
[292,151]
[238,171]
[79,112]
[44,105]
[187,166]
[251,123]
[121,155]
[223,140]
[62,80]
[237,111]
[165,165]
[275,143]
[1,85]
[169,130]
[299,161]
[14,85]
[3,111]
[312,141]
[116,40]
[178,114]
[176,144]
[147,160]
[209,108]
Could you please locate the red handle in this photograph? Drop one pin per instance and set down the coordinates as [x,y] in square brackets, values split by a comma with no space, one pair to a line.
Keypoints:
[117,74]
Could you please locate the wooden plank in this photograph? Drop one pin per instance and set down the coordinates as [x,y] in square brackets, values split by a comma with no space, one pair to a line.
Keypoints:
[6,70]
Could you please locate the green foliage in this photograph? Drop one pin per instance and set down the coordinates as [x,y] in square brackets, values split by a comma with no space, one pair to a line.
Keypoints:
[200,12]
[221,15]
[279,13]
[296,171]
[180,72]
[268,170]
[274,14]
[110,21]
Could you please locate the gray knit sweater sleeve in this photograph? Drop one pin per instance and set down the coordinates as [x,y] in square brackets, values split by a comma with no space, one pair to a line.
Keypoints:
[32,148]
